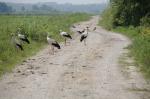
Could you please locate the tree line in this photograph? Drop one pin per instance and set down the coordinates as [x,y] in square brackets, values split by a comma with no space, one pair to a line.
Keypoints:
[4,8]
[129,12]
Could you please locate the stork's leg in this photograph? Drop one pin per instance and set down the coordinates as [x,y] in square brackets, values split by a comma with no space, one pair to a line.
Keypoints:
[52,50]
[69,42]
[65,41]
[85,42]
[17,49]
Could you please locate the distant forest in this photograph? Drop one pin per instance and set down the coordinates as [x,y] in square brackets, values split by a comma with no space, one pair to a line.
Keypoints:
[50,7]
[5,8]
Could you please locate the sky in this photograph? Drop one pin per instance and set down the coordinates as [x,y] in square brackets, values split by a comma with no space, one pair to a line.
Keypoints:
[58,1]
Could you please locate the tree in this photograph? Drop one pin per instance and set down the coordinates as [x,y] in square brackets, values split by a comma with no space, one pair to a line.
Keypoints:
[4,8]
[46,8]
[35,7]
[129,12]
[23,8]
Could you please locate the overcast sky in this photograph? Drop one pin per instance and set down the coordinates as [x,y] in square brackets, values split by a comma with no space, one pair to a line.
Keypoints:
[58,1]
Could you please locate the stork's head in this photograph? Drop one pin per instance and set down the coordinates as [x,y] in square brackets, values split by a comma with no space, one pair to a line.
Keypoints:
[12,34]
[48,35]
[18,29]
[87,27]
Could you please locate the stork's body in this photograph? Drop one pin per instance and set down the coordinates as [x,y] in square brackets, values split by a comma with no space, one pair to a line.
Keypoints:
[84,36]
[52,43]
[23,38]
[80,32]
[65,35]
[16,42]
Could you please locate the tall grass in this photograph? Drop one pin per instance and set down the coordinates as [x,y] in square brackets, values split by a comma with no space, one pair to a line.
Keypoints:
[35,27]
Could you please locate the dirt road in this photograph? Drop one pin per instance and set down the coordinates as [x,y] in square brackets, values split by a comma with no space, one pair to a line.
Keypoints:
[78,71]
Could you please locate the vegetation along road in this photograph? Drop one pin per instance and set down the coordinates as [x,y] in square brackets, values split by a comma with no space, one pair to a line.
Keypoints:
[95,71]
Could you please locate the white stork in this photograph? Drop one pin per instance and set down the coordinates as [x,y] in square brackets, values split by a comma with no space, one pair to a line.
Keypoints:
[80,32]
[65,35]
[16,42]
[84,36]
[52,43]
[23,38]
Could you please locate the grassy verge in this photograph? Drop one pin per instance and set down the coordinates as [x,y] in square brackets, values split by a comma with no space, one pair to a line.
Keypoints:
[35,27]
[140,48]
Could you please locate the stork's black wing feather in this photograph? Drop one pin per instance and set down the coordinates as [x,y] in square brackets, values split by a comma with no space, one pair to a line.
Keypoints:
[82,38]
[25,40]
[20,47]
[56,45]
[80,32]
[68,36]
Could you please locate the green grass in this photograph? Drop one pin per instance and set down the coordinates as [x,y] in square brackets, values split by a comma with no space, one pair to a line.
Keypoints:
[35,27]
[140,48]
